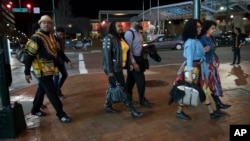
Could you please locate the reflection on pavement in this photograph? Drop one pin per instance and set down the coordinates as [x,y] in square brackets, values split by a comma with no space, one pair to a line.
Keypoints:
[240,74]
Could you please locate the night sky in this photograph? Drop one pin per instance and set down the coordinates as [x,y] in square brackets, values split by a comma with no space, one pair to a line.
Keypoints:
[88,9]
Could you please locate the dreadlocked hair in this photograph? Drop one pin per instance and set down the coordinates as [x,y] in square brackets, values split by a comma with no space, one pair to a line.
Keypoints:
[112,30]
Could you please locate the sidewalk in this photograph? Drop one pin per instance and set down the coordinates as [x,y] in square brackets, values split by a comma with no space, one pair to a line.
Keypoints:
[85,97]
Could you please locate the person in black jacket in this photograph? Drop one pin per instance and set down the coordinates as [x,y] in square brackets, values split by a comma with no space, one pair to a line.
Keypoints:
[60,62]
[114,59]
[238,42]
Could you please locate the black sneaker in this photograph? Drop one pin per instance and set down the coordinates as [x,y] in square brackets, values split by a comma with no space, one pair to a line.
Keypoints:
[216,115]
[65,119]
[182,115]
[110,110]
[147,104]
[39,113]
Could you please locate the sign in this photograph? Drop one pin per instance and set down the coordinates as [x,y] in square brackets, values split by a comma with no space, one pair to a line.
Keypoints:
[36,10]
[239,132]
[20,10]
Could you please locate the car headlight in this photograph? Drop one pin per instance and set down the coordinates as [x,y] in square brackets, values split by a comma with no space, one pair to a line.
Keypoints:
[145,45]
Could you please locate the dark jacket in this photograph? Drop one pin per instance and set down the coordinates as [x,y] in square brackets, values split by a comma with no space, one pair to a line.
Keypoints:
[61,58]
[111,54]
[240,39]
[176,94]
[41,52]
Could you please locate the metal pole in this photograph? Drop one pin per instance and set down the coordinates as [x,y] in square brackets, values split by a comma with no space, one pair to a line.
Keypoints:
[19,3]
[54,14]
[158,18]
[197,8]
[227,16]
[143,10]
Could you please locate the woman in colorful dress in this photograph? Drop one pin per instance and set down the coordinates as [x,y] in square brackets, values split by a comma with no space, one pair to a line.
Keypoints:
[212,61]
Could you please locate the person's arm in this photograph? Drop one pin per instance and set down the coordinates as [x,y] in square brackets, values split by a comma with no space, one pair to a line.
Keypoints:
[189,48]
[242,40]
[107,55]
[63,56]
[31,49]
[129,39]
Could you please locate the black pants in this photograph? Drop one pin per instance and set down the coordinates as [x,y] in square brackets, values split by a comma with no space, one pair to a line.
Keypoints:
[236,55]
[64,74]
[46,86]
[119,77]
[137,77]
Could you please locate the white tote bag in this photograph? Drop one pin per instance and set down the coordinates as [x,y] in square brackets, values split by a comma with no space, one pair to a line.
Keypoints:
[191,97]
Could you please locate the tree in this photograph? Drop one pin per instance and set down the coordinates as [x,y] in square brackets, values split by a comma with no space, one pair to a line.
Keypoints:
[63,14]
[64,18]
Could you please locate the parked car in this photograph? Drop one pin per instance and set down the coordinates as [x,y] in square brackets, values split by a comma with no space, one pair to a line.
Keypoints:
[14,47]
[166,42]
[223,39]
[247,38]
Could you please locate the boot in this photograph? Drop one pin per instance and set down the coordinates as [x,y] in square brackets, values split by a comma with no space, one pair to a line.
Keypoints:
[133,112]
[108,107]
[218,103]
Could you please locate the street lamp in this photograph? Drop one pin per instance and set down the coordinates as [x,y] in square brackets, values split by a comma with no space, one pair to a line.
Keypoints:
[54,14]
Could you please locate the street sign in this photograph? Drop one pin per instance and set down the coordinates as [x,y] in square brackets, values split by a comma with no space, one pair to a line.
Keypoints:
[20,10]
[36,10]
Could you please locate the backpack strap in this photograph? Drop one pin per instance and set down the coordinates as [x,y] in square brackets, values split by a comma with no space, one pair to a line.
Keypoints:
[133,34]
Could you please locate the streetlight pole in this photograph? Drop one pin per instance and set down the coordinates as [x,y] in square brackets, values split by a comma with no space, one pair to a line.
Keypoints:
[158,17]
[19,3]
[197,9]
[54,14]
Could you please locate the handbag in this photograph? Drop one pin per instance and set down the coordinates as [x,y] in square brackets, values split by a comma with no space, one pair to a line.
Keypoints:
[116,94]
[191,97]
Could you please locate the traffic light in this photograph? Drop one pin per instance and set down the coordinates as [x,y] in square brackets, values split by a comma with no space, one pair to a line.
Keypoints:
[8,6]
[29,7]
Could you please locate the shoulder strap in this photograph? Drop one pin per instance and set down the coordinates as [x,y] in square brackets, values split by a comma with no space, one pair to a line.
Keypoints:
[133,34]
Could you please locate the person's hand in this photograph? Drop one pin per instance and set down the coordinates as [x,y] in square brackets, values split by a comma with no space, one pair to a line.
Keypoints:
[190,77]
[206,48]
[131,67]
[28,78]
[112,79]
[71,64]
[218,64]
[136,67]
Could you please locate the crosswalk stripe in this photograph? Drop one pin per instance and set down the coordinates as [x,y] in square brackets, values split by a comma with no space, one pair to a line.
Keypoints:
[82,68]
